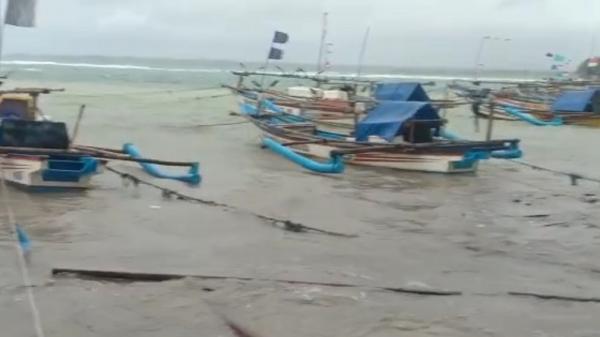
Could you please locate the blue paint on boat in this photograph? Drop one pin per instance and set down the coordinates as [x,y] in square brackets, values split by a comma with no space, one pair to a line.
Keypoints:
[334,165]
[529,118]
[269,105]
[69,169]
[508,154]
[192,177]
[470,159]
[23,238]
[513,153]
[247,109]
[266,106]
[331,135]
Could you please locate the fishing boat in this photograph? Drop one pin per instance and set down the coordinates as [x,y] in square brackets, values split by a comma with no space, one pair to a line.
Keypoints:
[397,135]
[24,127]
[538,103]
[571,107]
[335,103]
[38,154]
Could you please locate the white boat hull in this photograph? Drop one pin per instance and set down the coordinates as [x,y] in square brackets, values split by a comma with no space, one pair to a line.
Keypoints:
[33,172]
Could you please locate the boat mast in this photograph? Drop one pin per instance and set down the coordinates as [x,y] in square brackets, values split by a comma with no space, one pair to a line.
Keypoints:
[322,45]
[363,49]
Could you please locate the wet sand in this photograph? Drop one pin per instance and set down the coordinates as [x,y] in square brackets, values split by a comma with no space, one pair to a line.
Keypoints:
[507,228]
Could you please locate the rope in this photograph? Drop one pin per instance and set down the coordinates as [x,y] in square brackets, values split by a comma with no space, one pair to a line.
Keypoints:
[222,124]
[575,177]
[39,332]
[287,225]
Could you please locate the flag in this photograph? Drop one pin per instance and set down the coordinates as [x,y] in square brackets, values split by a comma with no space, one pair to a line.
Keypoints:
[280,37]
[275,54]
[24,240]
[20,13]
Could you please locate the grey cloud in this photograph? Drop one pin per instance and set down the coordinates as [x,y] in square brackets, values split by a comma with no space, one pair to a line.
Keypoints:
[417,33]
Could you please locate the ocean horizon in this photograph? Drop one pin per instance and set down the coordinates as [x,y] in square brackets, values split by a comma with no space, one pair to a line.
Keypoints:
[61,67]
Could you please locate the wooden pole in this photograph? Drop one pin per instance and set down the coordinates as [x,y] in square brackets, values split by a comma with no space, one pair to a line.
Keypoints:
[77,124]
[96,154]
[240,82]
[490,124]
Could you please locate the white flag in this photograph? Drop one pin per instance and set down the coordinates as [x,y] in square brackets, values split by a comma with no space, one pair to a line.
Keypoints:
[20,13]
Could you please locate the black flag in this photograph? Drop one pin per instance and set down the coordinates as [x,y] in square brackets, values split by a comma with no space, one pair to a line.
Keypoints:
[275,54]
[20,13]
[280,37]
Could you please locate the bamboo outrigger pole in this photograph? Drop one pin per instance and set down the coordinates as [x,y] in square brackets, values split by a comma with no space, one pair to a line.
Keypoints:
[77,124]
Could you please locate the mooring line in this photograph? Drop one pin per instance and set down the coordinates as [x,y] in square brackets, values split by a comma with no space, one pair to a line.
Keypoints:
[118,276]
[285,224]
[21,253]
[220,124]
[574,177]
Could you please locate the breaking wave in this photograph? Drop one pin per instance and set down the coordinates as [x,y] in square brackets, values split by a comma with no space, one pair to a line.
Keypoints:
[109,66]
[36,65]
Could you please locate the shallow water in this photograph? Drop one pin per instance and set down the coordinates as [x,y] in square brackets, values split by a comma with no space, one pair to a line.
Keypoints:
[507,228]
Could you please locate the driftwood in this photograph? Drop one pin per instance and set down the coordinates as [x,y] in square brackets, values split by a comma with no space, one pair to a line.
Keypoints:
[555,297]
[124,276]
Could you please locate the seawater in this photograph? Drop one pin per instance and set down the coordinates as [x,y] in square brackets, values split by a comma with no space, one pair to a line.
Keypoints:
[506,228]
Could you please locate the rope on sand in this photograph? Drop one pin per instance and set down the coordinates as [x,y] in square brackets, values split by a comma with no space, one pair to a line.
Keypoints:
[222,124]
[148,277]
[574,177]
[285,224]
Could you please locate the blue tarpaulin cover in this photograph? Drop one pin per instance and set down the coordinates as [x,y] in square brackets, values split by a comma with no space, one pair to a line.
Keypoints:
[388,118]
[400,91]
[575,101]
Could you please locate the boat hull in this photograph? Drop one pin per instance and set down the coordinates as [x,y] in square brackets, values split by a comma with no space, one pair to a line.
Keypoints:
[302,136]
[539,111]
[454,163]
[40,173]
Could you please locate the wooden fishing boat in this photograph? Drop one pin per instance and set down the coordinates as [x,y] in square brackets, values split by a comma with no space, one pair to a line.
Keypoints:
[397,135]
[24,126]
[333,101]
[540,103]
[580,107]
[38,154]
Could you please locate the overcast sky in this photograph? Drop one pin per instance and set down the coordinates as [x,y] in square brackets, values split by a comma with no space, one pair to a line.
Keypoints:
[403,32]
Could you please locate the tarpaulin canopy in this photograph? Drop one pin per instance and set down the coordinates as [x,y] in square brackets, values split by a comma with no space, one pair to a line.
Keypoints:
[576,101]
[388,119]
[22,133]
[400,91]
